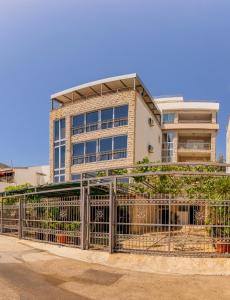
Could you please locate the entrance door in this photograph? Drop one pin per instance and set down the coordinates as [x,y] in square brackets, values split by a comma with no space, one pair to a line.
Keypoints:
[98,221]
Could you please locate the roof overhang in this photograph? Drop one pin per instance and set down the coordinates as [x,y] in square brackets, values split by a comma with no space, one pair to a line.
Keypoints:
[107,85]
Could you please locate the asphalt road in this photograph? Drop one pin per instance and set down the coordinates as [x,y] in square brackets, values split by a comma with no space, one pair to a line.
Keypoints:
[28,273]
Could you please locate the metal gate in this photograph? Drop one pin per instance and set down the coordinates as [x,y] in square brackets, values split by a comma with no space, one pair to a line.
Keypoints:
[54,220]
[9,212]
[98,221]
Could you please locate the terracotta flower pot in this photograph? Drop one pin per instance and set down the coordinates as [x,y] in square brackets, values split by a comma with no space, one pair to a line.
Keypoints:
[61,238]
[223,247]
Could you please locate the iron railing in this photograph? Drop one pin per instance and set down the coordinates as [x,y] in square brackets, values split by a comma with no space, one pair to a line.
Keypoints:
[99,156]
[100,125]
[194,146]
[195,121]
[156,224]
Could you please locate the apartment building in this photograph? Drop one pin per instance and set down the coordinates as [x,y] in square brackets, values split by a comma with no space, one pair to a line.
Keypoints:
[102,124]
[189,129]
[11,176]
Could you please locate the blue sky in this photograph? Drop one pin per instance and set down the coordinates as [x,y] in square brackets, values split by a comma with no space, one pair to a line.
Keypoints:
[176,46]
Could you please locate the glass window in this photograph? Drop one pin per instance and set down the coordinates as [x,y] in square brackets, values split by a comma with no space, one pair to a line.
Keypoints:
[120,142]
[106,149]
[76,177]
[56,130]
[90,150]
[170,136]
[56,179]
[56,158]
[78,149]
[92,121]
[62,178]
[121,115]
[78,153]
[62,156]
[120,147]
[107,118]
[78,124]
[62,129]
[59,150]
[168,118]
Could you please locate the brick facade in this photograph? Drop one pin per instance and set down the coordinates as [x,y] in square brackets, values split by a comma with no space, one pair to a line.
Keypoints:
[87,105]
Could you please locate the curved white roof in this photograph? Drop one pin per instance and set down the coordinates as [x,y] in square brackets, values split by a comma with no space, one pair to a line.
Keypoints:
[107,85]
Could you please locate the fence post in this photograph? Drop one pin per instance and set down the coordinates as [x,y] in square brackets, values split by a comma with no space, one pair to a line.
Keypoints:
[169,229]
[83,208]
[20,219]
[1,215]
[111,218]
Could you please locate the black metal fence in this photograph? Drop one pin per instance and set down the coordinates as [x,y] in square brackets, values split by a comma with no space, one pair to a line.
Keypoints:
[114,222]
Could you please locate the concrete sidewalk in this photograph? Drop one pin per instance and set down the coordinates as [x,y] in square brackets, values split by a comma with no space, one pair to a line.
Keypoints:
[27,272]
[141,263]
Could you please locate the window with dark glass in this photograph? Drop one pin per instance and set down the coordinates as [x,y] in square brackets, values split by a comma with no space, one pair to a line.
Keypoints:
[56,130]
[101,119]
[78,153]
[59,150]
[76,177]
[90,151]
[98,150]
[106,149]
[120,147]
[121,115]
[168,118]
[78,124]
[62,129]
[56,158]
[107,118]
[62,151]
[167,147]
[92,121]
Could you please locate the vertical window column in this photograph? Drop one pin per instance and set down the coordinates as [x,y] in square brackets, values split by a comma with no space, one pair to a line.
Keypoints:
[59,150]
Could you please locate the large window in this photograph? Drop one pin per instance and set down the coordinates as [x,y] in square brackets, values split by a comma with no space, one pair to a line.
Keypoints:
[100,119]
[78,124]
[90,151]
[98,150]
[107,118]
[168,118]
[106,148]
[120,147]
[120,115]
[167,147]
[59,150]
[92,121]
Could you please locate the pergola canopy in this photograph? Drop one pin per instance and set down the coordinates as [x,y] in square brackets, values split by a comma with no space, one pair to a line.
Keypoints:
[107,85]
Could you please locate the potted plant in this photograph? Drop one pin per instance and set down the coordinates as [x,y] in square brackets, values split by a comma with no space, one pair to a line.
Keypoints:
[61,236]
[219,219]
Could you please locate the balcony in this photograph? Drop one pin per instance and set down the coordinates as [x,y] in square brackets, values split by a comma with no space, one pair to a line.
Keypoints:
[194,121]
[100,125]
[194,146]
[99,156]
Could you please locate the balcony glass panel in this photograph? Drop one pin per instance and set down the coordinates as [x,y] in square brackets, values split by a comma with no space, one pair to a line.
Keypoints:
[92,121]
[79,124]
[90,151]
[120,115]
[106,149]
[107,118]
[168,118]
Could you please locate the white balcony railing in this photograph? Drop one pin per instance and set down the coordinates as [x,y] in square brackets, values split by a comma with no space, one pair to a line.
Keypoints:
[194,146]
